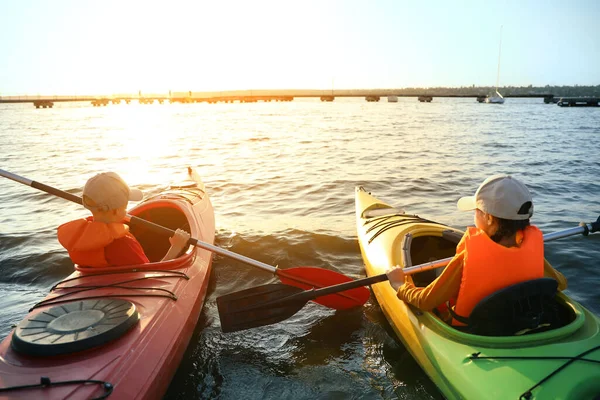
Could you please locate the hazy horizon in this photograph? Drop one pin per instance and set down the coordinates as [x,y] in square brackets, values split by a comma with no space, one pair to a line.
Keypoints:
[72,47]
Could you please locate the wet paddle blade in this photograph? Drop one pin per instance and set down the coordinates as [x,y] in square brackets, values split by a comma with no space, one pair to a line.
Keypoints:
[259,306]
[313,277]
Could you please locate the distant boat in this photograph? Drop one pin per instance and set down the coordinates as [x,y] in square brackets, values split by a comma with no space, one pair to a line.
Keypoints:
[497,98]
[392,99]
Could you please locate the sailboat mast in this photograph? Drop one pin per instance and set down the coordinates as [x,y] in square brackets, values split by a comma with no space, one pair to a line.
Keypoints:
[499,53]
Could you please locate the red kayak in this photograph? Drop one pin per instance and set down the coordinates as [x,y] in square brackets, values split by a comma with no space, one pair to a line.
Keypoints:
[117,332]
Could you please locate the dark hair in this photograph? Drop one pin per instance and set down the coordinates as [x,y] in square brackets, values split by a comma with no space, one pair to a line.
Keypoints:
[508,227]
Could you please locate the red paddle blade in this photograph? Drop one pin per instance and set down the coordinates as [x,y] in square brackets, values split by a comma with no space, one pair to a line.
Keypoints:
[313,277]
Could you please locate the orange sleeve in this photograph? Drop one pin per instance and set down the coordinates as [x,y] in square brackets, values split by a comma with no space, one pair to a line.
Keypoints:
[550,272]
[442,289]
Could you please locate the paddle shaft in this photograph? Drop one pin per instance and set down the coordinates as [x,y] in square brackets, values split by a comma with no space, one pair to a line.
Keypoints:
[584,229]
[42,187]
[139,221]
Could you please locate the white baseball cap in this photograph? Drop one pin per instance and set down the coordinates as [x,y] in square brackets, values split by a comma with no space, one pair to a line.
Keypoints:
[501,196]
[109,192]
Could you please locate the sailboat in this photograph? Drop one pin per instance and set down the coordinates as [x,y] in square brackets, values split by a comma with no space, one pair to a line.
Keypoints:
[497,98]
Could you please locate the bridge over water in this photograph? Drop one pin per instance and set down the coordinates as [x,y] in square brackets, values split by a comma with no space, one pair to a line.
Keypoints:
[251,96]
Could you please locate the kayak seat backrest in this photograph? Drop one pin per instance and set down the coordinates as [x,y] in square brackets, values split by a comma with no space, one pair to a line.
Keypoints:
[156,245]
[526,307]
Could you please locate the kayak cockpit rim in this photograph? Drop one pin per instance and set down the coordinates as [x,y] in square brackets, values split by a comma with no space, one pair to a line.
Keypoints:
[427,243]
[169,212]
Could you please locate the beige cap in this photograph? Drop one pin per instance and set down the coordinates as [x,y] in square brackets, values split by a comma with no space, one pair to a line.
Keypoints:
[501,196]
[109,192]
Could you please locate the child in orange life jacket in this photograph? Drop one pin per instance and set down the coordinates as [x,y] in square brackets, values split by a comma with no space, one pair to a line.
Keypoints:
[501,250]
[103,239]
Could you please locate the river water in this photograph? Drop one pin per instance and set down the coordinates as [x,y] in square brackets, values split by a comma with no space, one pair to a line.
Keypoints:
[281,177]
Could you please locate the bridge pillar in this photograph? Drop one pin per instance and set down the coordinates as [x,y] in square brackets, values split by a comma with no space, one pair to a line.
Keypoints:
[43,104]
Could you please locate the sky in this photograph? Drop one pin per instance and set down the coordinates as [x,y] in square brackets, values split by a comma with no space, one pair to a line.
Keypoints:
[58,47]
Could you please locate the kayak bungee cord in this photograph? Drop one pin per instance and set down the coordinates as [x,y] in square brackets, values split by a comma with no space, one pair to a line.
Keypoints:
[383,219]
[44,303]
[129,271]
[384,225]
[46,382]
[84,288]
[527,394]
[118,285]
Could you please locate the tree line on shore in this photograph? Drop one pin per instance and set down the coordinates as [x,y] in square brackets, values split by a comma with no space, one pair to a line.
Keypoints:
[557,91]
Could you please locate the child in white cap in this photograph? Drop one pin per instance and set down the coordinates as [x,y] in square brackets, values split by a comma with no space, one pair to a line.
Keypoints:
[501,250]
[103,239]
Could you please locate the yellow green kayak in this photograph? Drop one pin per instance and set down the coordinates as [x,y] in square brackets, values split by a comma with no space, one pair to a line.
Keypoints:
[560,363]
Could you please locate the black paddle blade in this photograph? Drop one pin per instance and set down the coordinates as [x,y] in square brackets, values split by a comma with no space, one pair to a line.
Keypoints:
[259,306]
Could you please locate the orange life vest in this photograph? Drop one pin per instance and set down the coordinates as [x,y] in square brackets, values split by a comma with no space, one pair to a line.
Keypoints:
[85,240]
[489,266]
